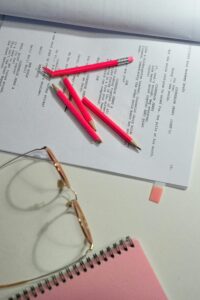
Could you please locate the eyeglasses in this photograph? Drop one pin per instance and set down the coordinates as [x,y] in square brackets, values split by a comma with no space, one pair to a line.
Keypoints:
[41,198]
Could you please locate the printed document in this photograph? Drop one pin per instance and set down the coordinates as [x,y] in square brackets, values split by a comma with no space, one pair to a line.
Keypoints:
[155,99]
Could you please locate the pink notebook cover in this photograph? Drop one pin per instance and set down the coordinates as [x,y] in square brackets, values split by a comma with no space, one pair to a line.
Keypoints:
[127,275]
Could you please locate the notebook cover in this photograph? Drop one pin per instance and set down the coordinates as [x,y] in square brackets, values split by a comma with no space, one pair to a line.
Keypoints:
[121,272]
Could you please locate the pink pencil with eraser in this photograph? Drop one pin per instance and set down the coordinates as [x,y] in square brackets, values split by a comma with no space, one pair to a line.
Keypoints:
[78,102]
[109,122]
[89,67]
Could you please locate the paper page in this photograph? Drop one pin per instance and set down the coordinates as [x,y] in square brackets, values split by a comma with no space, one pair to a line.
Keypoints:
[174,18]
[155,99]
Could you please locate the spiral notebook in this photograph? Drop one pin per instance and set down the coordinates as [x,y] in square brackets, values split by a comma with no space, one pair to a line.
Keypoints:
[118,272]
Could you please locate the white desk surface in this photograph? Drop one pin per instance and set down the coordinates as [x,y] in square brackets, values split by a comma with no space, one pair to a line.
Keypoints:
[169,231]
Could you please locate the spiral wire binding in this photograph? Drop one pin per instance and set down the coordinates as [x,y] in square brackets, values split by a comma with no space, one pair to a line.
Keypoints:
[76,270]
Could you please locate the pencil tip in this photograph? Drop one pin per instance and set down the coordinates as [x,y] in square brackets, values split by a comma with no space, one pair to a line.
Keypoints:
[138,148]
[92,125]
[99,141]
[135,145]
[54,87]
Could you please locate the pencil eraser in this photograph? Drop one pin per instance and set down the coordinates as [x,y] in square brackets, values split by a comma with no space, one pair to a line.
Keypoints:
[130,59]
[156,193]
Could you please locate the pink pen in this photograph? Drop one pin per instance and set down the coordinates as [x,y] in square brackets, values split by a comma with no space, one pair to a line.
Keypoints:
[78,102]
[90,67]
[110,122]
[77,114]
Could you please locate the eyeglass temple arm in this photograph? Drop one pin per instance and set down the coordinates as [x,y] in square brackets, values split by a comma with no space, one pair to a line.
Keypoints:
[83,222]
[21,155]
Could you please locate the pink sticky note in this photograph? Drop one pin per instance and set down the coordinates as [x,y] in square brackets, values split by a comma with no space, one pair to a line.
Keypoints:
[156,193]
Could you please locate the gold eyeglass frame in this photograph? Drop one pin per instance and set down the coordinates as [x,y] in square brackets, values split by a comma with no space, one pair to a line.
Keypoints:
[63,182]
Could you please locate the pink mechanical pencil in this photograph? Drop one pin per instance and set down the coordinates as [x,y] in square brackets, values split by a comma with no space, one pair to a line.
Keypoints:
[77,114]
[90,67]
[125,136]
[78,102]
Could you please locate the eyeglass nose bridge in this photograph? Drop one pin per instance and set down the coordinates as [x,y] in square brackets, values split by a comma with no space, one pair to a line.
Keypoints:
[69,203]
